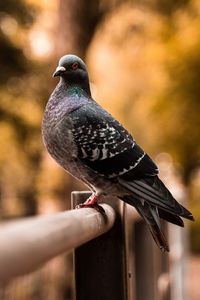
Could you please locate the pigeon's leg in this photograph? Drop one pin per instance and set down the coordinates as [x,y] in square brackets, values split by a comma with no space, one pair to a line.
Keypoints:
[92,199]
[92,202]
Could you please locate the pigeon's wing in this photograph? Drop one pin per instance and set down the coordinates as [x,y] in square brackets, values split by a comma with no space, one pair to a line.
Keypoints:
[106,147]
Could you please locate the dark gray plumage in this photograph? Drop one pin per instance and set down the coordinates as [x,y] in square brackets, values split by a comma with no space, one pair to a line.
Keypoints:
[96,149]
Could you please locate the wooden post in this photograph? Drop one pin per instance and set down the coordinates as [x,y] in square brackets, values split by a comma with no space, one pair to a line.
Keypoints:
[145,281]
[100,265]
[178,261]
[151,266]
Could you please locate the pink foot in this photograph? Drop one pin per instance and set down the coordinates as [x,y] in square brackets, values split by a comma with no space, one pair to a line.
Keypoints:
[92,202]
[92,199]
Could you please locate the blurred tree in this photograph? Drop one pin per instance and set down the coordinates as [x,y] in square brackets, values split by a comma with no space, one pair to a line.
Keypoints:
[13,16]
[19,153]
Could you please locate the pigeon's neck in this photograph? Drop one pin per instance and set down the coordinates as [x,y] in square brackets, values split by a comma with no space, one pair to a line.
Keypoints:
[80,88]
[75,90]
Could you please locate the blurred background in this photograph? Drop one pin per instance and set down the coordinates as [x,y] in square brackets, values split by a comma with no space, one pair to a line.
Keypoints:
[143,59]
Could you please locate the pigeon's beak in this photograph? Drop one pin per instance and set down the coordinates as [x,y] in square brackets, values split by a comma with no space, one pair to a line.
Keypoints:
[59,71]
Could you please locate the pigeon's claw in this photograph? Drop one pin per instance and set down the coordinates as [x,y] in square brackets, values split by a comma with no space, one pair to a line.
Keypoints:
[92,199]
[92,202]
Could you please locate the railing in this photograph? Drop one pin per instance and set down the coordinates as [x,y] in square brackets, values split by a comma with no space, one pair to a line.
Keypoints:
[114,258]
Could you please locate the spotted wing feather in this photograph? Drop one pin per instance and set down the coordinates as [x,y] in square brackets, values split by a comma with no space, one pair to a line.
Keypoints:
[106,147]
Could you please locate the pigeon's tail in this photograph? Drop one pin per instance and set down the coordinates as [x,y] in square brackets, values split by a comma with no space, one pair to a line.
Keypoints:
[174,219]
[151,216]
[153,191]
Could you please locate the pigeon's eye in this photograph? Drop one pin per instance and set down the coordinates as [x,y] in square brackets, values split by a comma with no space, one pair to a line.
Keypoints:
[74,66]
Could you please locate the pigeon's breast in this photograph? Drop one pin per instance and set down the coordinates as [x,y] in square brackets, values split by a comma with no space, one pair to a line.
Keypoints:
[60,144]
[58,140]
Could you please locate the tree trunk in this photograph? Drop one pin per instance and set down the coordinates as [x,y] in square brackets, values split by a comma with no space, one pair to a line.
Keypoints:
[77,21]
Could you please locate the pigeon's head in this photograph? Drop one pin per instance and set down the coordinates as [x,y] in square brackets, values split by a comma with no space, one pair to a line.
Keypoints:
[72,69]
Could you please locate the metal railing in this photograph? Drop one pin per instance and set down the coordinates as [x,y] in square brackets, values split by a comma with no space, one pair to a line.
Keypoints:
[26,244]
[114,257]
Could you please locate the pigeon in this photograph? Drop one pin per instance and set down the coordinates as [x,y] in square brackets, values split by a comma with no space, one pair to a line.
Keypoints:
[90,144]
